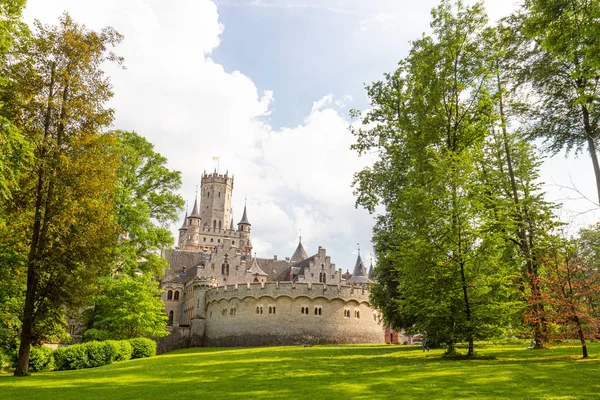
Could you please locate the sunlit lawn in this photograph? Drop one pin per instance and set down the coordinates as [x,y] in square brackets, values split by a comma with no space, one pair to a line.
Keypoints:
[326,372]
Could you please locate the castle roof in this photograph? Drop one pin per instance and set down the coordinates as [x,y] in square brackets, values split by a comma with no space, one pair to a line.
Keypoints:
[195,213]
[231,227]
[255,269]
[360,274]
[298,268]
[184,225]
[370,276]
[299,254]
[244,218]
[278,270]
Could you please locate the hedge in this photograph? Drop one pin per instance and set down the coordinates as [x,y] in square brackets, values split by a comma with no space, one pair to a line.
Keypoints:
[95,354]
[41,359]
[142,347]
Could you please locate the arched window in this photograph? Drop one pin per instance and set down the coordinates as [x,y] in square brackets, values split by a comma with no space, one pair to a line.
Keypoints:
[227,269]
[170,295]
[215,224]
[207,194]
[322,277]
[171,317]
[219,225]
[176,297]
[219,194]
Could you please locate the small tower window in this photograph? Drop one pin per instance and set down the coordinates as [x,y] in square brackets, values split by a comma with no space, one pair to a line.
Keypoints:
[322,277]
[176,296]
[204,239]
[272,310]
[170,317]
[207,194]
[318,311]
[219,194]
[170,295]
[215,224]
[356,314]
[219,225]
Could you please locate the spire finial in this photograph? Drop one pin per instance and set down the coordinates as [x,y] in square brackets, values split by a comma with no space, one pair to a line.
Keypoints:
[358,245]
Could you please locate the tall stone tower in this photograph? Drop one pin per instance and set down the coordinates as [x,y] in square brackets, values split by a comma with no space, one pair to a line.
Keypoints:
[215,205]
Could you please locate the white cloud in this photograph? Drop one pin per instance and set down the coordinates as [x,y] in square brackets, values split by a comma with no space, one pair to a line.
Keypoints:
[185,103]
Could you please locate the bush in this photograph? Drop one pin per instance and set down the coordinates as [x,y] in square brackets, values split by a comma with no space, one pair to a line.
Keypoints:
[142,347]
[72,357]
[41,359]
[99,353]
[122,348]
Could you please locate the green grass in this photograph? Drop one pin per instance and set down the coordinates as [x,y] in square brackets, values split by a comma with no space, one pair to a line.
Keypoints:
[326,372]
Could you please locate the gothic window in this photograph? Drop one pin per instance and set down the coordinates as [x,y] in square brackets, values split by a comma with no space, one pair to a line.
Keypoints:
[171,317]
[176,296]
[223,269]
[259,309]
[304,310]
[271,310]
[323,277]
[170,295]
[227,269]
[318,311]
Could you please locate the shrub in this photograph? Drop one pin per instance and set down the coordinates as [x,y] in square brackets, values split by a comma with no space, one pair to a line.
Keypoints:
[142,347]
[122,348]
[41,359]
[72,357]
[98,353]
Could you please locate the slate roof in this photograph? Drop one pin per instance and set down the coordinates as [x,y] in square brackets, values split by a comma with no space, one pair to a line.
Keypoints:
[195,212]
[299,254]
[184,225]
[278,270]
[244,218]
[360,274]
[255,269]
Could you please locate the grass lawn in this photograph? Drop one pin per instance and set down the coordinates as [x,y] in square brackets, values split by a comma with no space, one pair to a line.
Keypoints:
[326,372]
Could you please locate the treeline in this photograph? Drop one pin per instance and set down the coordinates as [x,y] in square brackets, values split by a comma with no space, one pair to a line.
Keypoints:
[84,211]
[467,246]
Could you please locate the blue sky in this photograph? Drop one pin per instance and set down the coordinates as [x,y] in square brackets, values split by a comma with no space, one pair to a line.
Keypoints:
[266,86]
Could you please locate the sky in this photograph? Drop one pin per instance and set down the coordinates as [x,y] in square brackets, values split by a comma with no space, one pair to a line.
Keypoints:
[266,85]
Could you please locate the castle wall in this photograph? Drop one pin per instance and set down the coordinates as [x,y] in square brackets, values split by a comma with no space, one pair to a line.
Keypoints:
[290,314]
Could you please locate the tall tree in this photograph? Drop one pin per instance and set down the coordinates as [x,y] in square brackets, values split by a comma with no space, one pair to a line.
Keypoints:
[561,64]
[67,213]
[429,123]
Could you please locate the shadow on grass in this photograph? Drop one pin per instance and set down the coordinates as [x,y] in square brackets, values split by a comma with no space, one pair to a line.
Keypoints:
[322,372]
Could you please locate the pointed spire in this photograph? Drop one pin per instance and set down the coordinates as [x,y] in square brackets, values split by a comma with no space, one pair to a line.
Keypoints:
[231,227]
[184,225]
[300,253]
[360,274]
[195,208]
[244,217]
[255,269]
[370,275]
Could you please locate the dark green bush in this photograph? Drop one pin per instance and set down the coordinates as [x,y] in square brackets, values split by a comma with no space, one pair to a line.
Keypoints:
[95,354]
[142,347]
[98,353]
[41,359]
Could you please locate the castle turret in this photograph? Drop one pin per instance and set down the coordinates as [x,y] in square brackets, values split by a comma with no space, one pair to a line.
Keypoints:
[244,231]
[215,208]
[183,229]
[300,253]
[370,276]
[360,274]
[192,234]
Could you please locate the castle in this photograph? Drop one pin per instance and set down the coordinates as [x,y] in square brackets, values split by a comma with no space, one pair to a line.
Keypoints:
[217,294]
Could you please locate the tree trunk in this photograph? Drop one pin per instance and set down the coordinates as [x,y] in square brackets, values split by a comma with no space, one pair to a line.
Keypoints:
[581,337]
[33,258]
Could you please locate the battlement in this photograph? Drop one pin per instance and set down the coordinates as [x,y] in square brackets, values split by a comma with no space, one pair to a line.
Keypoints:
[215,177]
[288,289]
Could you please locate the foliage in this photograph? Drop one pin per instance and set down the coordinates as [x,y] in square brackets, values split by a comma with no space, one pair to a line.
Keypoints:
[128,307]
[146,203]
[41,359]
[324,372]
[92,354]
[142,347]
[63,208]
[442,261]
[558,61]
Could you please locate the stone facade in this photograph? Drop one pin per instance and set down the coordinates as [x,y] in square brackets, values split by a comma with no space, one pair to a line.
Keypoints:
[217,294]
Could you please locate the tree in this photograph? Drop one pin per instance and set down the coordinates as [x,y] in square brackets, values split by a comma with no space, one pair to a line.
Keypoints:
[146,203]
[128,307]
[129,304]
[571,286]
[561,65]
[429,122]
[65,205]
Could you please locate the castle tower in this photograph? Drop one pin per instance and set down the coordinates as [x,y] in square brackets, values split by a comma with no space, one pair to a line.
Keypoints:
[244,231]
[183,229]
[215,206]
[192,235]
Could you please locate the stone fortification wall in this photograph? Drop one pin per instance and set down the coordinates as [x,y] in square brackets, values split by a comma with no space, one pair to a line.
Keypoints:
[290,314]
[179,338]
